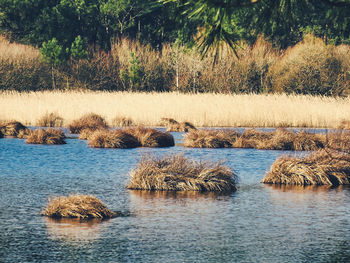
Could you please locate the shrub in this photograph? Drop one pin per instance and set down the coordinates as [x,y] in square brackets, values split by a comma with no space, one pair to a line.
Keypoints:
[12,128]
[88,121]
[177,173]
[49,136]
[310,67]
[323,167]
[77,206]
[50,120]
[112,139]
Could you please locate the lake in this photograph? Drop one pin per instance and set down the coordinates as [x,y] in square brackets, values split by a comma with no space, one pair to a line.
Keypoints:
[257,223]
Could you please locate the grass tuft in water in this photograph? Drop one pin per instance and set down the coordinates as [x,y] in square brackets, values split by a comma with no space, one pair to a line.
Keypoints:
[88,121]
[323,167]
[12,128]
[178,173]
[50,120]
[46,136]
[77,206]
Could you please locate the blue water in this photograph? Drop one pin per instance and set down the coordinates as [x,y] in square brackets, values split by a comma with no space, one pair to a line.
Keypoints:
[257,223]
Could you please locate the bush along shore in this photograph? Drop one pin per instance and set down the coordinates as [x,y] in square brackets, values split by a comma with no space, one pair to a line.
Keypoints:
[178,173]
[309,67]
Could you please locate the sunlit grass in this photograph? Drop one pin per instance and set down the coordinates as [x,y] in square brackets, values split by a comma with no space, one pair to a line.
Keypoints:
[208,109]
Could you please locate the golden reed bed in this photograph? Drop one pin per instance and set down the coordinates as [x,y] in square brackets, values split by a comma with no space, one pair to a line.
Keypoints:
[211,110]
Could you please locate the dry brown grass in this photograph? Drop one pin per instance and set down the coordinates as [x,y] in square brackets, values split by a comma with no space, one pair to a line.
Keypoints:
[203,110]
[46,136]
[323,167]
[77,206]
[178,173]
[280,139]
[122,122]
[50,120]
[88,121]
[12,128]
[112,139]
[149,137]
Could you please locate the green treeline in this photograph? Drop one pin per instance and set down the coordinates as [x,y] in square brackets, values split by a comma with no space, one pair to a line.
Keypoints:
[83,45]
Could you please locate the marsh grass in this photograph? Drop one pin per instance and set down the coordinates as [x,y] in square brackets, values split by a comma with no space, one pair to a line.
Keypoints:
[280,139]
[46,136]
[112,139]
[12,128]
[175,126]
[119,121]
[50,120]
[178,173]
[77,206]
[88,121]
[149,137]
[203,110]
[323,167]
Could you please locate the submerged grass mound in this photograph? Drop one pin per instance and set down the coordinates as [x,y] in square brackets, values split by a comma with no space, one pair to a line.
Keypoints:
[77,206]
[12,128]
[49,136]
[323,167]
[50,120]
[280,139]
[89,121]
[148,137]
[178,173]
[112,139]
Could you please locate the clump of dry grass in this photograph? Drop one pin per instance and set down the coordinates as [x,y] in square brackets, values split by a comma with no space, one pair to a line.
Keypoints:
[323,167]
[178,173]
[43,136]
[149,137]
[1,134]
[338,140]
[50,120]
[210,138]
[88,121]
[175,126]
[12,128]
[122,122]
[280,139]
[112,139]
[77,206]
[86,133]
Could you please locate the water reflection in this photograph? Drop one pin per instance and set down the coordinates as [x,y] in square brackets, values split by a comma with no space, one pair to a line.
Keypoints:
[74,230]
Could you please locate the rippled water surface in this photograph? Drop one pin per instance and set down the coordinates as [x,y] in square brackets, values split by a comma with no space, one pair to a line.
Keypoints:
[257,223]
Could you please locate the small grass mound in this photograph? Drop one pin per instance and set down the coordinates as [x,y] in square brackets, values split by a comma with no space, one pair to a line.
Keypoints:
[77,206]
[112,139]
[49,136]
[89,121]
[210,138]
[148,137]
[323,167]
[175,126]
[12,128]
[122,122]
[178,173]
[50,120]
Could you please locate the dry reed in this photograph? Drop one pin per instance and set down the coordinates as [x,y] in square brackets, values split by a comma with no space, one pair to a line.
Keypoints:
[12,128]
[50,120]
[46,136]
[77,206]
[88,121]
[323,167]
[112,139]
[203,110]
[175,126]
[122,122]
[178,173]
